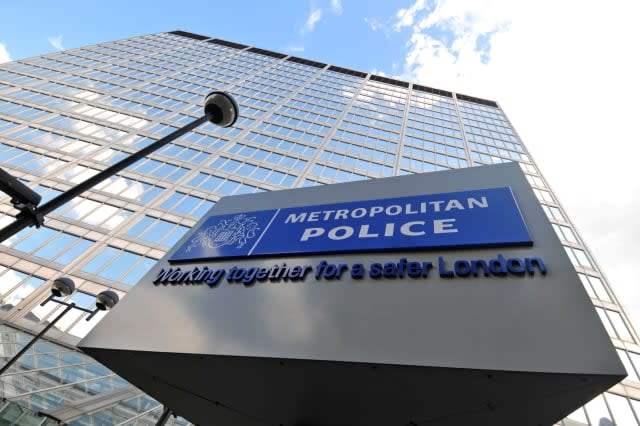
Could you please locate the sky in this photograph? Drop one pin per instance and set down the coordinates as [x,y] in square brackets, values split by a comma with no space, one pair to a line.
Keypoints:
[565,72]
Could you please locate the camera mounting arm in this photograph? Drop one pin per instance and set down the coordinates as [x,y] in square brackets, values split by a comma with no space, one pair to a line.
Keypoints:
[23,198]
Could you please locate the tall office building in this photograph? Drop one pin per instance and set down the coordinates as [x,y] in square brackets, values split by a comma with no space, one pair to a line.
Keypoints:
[65,116]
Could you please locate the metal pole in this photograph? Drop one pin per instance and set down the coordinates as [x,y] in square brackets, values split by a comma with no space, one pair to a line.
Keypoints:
[35,339]
[166,412]
[34,218]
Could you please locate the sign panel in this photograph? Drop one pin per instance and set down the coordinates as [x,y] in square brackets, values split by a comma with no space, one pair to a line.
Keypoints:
[476,218]
[490,319]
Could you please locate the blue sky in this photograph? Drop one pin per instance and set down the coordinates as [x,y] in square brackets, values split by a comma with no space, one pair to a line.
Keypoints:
[566,73]
[339,36]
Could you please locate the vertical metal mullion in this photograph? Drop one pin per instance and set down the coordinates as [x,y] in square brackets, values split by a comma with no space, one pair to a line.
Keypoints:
[330,134]
[467,148]
[403,131]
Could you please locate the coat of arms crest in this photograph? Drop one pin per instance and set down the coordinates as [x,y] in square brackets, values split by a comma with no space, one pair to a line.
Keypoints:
[238,230]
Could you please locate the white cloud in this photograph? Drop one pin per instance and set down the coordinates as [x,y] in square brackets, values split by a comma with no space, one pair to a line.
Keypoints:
[56,42]
[4,54]
[312,20]
[295,48]
[374,24]
[336,7]
[406,16]
[386,26]
[568,83]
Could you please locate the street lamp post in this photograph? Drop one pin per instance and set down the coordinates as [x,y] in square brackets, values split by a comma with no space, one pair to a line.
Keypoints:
[62,287]
[219,109]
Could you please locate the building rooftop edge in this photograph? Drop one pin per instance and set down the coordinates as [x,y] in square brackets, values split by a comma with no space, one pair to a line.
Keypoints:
[374,77]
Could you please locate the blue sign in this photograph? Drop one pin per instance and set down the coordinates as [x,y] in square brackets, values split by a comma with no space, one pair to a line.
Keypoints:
[476,218]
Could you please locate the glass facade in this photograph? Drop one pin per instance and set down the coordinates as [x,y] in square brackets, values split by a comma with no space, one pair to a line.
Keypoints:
[67,115]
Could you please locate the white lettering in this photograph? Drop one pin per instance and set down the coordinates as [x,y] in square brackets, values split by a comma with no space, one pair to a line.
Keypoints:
[482,204]
[388,229]
[436,205]
[358,213]
[408,209]
[393,210]
[375,210]
[347,231]
[311,233]
[342,214]
[293,218]
[443,226]
[422,207]
[454,204]
[327,214]
[364,232]
[406,229]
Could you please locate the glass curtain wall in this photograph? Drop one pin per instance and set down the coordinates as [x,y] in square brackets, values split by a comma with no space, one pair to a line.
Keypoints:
[65,116]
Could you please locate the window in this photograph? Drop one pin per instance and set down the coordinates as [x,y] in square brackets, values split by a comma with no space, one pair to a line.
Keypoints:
[187,204]
[46,193]
[42,99]
[34,163]
[49,244]
[110,156]
[614,324]
[160,169]
[7,125]
[411,143]
[267,156]
[85,128]
[564,233]
[119,265]
[543,196]
[94,213]
[535,181]
[185,154]
[275,142]
[445,162]
[52,140]
[361,151]
[77,174]
[290,133]
[335,174]
[578,416]
[111,116]
[553,213]
[157,231]
[619,325]
[15,286]
[598,412]
[369,167]
[578,257]
[20,111]
[635,360]
[594,287]
[628,365]
[129,188]
[622,414]
[222,186]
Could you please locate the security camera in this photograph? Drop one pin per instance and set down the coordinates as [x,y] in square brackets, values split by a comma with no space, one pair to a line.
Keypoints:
[21,195]
[106,300]
[221,108]
[63,287]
